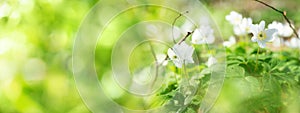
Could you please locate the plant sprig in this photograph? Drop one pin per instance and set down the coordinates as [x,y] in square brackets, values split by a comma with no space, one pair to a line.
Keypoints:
[180,14]
[283,13]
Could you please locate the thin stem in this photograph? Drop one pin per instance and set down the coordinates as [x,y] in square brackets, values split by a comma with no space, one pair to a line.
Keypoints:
[185,37]
[198,55]
[156,63]
[256,59]
[283,13]
[290,24]
[153,53]
[185,75]
[277,10]
[173,24]
[280,47]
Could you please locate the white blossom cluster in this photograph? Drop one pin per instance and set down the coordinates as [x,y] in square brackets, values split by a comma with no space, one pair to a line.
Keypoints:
[242,26]
[181,53]
[284,31]
[275,32]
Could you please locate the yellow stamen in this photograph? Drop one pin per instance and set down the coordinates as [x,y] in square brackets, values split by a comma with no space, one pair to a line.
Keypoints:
[262,35]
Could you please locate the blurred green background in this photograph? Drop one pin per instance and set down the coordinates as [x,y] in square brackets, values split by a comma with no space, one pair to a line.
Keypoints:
[36,40]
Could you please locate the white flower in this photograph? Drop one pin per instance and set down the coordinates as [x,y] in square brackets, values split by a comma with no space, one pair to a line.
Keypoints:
[161,59]
[203,35]
[5,10]
[187,27]
[211,61]
[180,54]
[284,30]
[260,35]
[244,27]
[293,43]
[234,18]
[230,42]
[277,42]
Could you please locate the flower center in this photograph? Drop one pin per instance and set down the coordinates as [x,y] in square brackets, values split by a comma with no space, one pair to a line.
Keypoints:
[262,35]
[174,57]
[237,20]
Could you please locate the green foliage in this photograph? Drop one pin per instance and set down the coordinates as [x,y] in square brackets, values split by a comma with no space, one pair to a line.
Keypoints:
[42,31]
[37,37]
[269,86]
[263,82]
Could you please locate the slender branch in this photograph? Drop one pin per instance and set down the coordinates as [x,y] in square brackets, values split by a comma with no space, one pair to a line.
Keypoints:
[156,63]
[173,24]
[173,37]
[185,37]
[290,24]
[283,13]
[185,74]
[277,10]
[166,58]
[152,51]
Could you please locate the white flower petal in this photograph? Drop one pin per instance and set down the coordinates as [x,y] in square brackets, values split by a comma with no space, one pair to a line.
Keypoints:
[187,27]
[203,35]
[294,43]
[183,50]
[229,43]
[234,18]
[238,30]
[284,30]
[277,42]
[178,63]
[196,37]
[175,58]
[191,60]
[254,29]
[232,39]
[262,25]
[287,31]
[254,39]
[274,25]
[171,54]
[270,34]
[210,39]
[201,41]
[161,59]
[181,53]
[249,21]
[261,44]
[244,28]
[211,61]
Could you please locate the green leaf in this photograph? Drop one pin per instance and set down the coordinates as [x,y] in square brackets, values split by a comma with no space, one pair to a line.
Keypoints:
[190,110]
[178,99]
[254,84]
[233,62]
[266,67]
[235,71]
[196,100]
